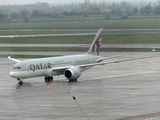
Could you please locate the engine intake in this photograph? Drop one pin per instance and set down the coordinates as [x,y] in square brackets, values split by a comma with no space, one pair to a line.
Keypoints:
[72,73]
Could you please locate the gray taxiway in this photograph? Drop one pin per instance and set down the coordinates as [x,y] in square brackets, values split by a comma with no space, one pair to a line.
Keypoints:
[114,32]
[123,91]
[153,46]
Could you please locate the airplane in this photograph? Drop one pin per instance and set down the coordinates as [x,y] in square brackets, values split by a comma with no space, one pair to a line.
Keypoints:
[70,66]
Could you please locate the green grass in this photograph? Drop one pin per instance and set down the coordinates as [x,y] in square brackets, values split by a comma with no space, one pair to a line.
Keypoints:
[110,24]
[16,32]
[73,49]
[107,39]
[132,39]
[49,40]
[27,56]
[128,50]
[90,17]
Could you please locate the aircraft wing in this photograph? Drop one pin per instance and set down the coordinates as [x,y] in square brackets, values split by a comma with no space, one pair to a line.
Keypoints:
[101,59]
[58,69]
[62,69]
[13,59]
[109,62]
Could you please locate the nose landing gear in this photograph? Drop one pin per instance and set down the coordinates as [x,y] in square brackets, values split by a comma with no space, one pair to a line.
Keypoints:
[20,81]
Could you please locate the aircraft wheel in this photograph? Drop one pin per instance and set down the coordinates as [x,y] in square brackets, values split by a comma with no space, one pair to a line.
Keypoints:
[21,83]
[70,80]
[46,79]
[51,78]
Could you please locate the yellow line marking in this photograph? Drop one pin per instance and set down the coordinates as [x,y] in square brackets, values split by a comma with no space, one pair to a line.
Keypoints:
[147,72]
[133,71]
[116,71]
[98,98]
[47,105]
[154,60]
[133,93]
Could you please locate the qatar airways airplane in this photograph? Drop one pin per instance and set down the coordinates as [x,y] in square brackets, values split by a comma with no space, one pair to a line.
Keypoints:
[70,66]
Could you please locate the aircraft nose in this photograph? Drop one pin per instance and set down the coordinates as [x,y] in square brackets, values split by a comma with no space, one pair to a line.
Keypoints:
[12,74]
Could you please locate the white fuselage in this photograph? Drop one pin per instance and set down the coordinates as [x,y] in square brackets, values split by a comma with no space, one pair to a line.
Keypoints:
[44,66]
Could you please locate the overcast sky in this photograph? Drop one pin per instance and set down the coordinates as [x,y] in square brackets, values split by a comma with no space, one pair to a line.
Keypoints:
[2,2]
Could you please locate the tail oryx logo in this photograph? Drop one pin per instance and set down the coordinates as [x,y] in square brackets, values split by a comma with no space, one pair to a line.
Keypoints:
[97,44]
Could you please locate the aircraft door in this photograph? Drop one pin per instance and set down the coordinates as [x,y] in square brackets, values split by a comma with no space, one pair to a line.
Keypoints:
[88,60]
[73,62]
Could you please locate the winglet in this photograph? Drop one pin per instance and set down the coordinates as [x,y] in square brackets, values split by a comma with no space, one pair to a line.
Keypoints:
[13,59]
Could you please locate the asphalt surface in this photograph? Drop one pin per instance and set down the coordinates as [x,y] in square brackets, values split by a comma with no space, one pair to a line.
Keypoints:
[121,91]
[153,29]
[114,32]
[45,35]
[154,46]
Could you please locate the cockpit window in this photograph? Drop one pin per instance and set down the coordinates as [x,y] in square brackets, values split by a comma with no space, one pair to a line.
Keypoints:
[16,67]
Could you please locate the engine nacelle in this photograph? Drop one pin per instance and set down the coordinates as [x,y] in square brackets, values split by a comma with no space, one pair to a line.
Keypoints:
[72,73]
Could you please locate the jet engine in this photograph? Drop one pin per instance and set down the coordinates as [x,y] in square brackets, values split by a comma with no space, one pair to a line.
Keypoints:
[72,73]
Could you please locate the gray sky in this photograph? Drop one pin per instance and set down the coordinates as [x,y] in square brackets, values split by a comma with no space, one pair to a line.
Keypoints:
[2,2]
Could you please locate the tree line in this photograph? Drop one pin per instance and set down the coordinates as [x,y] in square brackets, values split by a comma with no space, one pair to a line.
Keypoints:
[45,10]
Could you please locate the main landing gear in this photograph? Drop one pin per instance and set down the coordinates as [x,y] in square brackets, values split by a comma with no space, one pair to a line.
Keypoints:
[48,79]
[72,80]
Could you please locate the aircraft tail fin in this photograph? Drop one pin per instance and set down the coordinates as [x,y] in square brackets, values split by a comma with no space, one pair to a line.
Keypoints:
[96,44]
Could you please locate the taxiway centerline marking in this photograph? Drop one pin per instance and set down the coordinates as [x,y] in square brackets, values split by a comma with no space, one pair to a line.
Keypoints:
[133,71]
[98,98]
[47,105]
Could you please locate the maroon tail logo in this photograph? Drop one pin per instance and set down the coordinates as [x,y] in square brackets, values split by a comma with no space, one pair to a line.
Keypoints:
[97,44]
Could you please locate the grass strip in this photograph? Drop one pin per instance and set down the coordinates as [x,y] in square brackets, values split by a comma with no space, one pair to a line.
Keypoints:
[78,49]
[32,32]
[110,24]
[28,56]
[107,39]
